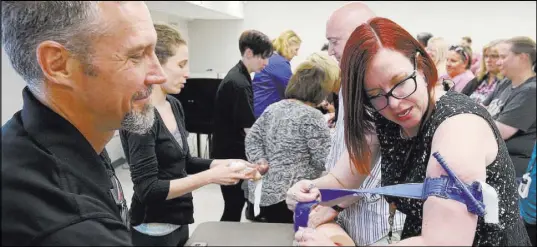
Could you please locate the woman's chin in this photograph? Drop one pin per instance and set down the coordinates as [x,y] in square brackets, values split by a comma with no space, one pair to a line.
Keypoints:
[175,90]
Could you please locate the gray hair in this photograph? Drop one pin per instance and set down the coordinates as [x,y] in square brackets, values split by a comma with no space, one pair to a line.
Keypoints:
[27,24]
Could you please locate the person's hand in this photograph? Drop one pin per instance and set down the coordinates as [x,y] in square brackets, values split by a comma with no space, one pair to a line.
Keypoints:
[254,171]
[302,191]
[320,215]
[228,175]
[310,237]
[262,166]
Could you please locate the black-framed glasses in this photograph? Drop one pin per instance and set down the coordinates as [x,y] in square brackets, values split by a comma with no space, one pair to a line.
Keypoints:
[400,90]
[459,49]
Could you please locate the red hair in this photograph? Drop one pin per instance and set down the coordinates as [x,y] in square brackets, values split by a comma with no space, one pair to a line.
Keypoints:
[363,44]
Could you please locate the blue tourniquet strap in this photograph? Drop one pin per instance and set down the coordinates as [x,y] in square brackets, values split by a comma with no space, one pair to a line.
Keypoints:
[448,187]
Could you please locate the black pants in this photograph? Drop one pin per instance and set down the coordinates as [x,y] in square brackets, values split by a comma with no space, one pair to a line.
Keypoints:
[233,202]
[531,232]
[277,213]
[176,238]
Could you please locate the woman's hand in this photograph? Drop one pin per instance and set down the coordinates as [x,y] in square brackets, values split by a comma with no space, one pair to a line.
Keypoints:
[225,174]
[310,237]
[320,215]
[253,171]
[302,191]
[262,166]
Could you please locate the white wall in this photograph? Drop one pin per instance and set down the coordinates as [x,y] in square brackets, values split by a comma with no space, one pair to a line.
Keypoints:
[12,85]
[483,21]
[177,22]
[215,42]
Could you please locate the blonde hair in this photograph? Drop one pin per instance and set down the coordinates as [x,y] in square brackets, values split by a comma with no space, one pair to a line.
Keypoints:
[314,79]
[331,67]
[282,43]
[441,48]
[482,67]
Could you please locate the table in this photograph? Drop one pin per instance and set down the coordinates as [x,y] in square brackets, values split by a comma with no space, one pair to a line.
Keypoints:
[242,234]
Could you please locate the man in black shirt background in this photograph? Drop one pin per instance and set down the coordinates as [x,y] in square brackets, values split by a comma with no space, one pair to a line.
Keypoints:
[234,113]
[89,68]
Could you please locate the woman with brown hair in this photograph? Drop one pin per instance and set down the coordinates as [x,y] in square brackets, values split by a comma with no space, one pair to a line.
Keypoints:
[160,161]
[292,136]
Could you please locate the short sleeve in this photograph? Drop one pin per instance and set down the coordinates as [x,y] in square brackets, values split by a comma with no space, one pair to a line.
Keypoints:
[519,111]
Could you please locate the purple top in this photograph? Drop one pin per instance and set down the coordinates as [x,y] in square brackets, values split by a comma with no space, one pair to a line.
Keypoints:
[461,80]
[484,90]
[270,83]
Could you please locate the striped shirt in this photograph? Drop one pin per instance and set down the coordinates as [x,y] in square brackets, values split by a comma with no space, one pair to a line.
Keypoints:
[366,221]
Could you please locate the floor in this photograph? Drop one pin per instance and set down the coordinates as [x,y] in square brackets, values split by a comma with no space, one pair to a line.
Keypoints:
[208,202]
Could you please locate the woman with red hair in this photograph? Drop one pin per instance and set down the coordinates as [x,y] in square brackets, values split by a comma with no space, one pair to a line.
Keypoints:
[391,107]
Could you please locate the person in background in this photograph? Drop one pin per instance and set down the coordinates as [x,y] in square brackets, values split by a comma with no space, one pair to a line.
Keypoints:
[437,48]
[391,108]
[329,106]
[366,221]
[292,137]
[466,41]
[160,160]
[234,113]
[527,204]
[424,38]
[457,67]
[83,82]
[483,85]
[269,84]
[512,105]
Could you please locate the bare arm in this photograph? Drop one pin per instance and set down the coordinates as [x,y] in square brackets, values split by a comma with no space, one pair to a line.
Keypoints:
[344,174]
[181,186]
[518,114]
[505,130]
[467,144]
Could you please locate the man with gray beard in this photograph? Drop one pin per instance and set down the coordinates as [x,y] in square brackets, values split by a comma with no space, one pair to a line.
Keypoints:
[89,68]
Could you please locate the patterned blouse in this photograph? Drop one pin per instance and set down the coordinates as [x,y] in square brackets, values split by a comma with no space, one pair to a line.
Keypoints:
[484,90]
[295,140]
[500,173]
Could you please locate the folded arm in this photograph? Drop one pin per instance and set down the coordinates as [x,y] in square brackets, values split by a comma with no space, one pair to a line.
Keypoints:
[518,114]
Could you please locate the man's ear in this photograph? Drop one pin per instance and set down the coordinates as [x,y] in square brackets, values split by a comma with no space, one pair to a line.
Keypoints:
[248,53]
[526,58]
[54,60]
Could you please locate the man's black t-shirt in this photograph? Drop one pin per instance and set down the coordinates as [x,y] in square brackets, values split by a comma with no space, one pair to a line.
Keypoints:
[234,111]
[56,190]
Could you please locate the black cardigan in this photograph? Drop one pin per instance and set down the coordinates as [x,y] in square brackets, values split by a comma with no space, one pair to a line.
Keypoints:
[156,158]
